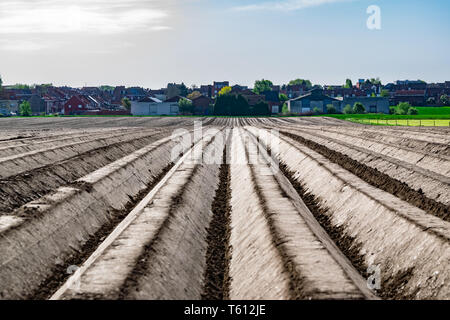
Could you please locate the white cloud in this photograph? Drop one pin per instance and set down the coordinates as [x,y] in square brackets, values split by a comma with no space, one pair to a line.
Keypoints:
[68,16]
[286,5]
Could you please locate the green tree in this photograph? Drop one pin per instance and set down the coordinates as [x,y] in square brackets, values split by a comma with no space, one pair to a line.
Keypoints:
[384,93]
[194,95]
[348,109]
[316,110]
[260,109]
[348,84]
[300,82]
[284,109]
[106,88]
[231,105]
[262,86]
[283,98]
[413,111]
[224,90]
[21,86]
[25,109]
[402,108]
[183,90]
[185,106]
[392,110]
[431,100]
[331,109]
[358,108]
[376,81]
[126,103]
[445,99]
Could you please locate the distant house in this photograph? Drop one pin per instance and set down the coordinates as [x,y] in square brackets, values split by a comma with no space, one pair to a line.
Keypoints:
[9,106]
[79,104]
[413,97]
[37,104]
[371,104]
[201,105]
[150,106]
[294,91]
[251,97]
[135,93]
[158,94]
[206,90]
[313,99]
[272,99]
[410,85]
[436,90]
[217,86]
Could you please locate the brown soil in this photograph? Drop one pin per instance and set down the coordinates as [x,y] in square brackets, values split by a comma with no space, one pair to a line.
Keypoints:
[20,189]
[345,243]
[378,179]
[393,287]
[59,274]
[295,278]
[216,286]
[140,268]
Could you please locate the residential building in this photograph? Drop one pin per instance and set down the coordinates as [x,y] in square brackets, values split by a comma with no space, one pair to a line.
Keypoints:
[251,97]
[79,104]
[217,86]
[37,104]
[201,105]
[206,90]
[294,91]
[314,99]
[272,99]
[9,106]
[410,85]
[371,104]
[150,106]
[413,97]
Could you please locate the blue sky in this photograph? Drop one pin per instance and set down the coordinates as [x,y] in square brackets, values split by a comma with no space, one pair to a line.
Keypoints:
[152,42]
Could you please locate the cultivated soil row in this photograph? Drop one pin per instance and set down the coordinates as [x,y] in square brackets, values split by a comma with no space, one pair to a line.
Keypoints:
[242,208]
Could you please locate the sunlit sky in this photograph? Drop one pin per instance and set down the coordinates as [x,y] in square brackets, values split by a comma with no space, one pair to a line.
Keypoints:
[152,42]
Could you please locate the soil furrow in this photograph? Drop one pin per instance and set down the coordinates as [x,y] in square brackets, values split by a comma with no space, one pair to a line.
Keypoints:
[216,286]
[20,189]
[60,274]
[378,179]
[140,269]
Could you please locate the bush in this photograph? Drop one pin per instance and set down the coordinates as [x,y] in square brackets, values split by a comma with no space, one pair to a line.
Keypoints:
[231,105]
[261,109]
[186,106]
[25,109]
[413,111]
[403,108]
[316,110]
[358,108]
[348,109]
[331,109]
[284,109]
[392,110]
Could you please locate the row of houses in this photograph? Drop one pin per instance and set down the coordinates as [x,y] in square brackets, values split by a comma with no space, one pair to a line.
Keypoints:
[317,100]
[48,99]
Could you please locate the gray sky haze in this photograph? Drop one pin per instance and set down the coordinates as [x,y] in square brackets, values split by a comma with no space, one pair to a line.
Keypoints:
[152,42]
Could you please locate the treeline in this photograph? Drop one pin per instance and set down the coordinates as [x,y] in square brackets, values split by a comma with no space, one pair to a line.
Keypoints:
[237,105]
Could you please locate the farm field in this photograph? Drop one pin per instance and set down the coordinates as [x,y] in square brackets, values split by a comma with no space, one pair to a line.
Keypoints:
[223,208]
[427,117]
